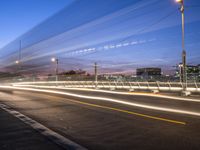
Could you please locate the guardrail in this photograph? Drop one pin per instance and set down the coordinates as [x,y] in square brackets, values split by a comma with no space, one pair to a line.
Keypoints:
[112,85]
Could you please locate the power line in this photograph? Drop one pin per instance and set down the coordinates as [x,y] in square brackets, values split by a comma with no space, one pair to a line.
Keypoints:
[153,24]
[146,28]
[191,6]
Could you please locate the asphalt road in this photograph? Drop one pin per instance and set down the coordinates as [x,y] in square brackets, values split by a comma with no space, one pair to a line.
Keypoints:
[16,135]
[102,125]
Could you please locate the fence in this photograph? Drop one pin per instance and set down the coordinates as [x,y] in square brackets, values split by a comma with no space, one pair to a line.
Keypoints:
[113,85]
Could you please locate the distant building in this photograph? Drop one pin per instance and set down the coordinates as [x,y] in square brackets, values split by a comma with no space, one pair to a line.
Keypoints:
[148,72]
[193,71]
[74,72]
[112,77]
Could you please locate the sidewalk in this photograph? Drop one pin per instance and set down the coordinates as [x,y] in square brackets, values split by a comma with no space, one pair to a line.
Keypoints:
[16,135]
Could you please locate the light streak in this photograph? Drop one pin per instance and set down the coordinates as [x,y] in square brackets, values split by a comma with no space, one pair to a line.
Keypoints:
[124,111]
[151,107]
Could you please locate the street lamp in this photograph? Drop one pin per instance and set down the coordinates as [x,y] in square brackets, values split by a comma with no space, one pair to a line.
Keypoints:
[56,61]
[96,75]
[184,75]
[17,61]
[180,71]
[179,1]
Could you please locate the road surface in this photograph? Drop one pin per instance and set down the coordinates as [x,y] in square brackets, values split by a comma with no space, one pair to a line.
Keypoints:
[106,125]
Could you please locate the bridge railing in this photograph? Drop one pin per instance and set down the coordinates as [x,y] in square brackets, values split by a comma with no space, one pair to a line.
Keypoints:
[112,85]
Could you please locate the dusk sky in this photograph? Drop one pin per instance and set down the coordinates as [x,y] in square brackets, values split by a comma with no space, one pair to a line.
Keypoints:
[120,35]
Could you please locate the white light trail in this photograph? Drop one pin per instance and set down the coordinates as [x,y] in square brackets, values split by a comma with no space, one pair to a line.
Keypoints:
[145,106]
[27,84]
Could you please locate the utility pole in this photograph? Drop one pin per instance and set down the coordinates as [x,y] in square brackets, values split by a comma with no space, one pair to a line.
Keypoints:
[184,68]
[18,61]
[56,61]
[183,48]
[96,75]
[180,66]
[184,65]
[20,50]
[56,70]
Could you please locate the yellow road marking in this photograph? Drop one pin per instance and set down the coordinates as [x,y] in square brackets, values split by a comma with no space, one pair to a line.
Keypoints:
[133,93]
[110,108]
[130,112]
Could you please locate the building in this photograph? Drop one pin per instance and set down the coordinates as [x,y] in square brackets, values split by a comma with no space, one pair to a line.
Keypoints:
[193,71]
[112,77]
[148,72]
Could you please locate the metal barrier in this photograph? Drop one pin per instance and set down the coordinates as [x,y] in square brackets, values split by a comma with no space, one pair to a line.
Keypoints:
[112,85]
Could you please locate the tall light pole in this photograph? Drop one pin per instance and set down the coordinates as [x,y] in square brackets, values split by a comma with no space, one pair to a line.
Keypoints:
[184,74]
[18,62]
[56,61]
[180,66]
[96,75]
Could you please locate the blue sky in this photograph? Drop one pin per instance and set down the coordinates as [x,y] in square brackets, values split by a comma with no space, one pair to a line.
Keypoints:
[120,35]
[19,16]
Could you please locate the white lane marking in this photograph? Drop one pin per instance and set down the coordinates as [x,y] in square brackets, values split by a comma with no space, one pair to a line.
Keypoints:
[115,92]
[108,99]
[55,137]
